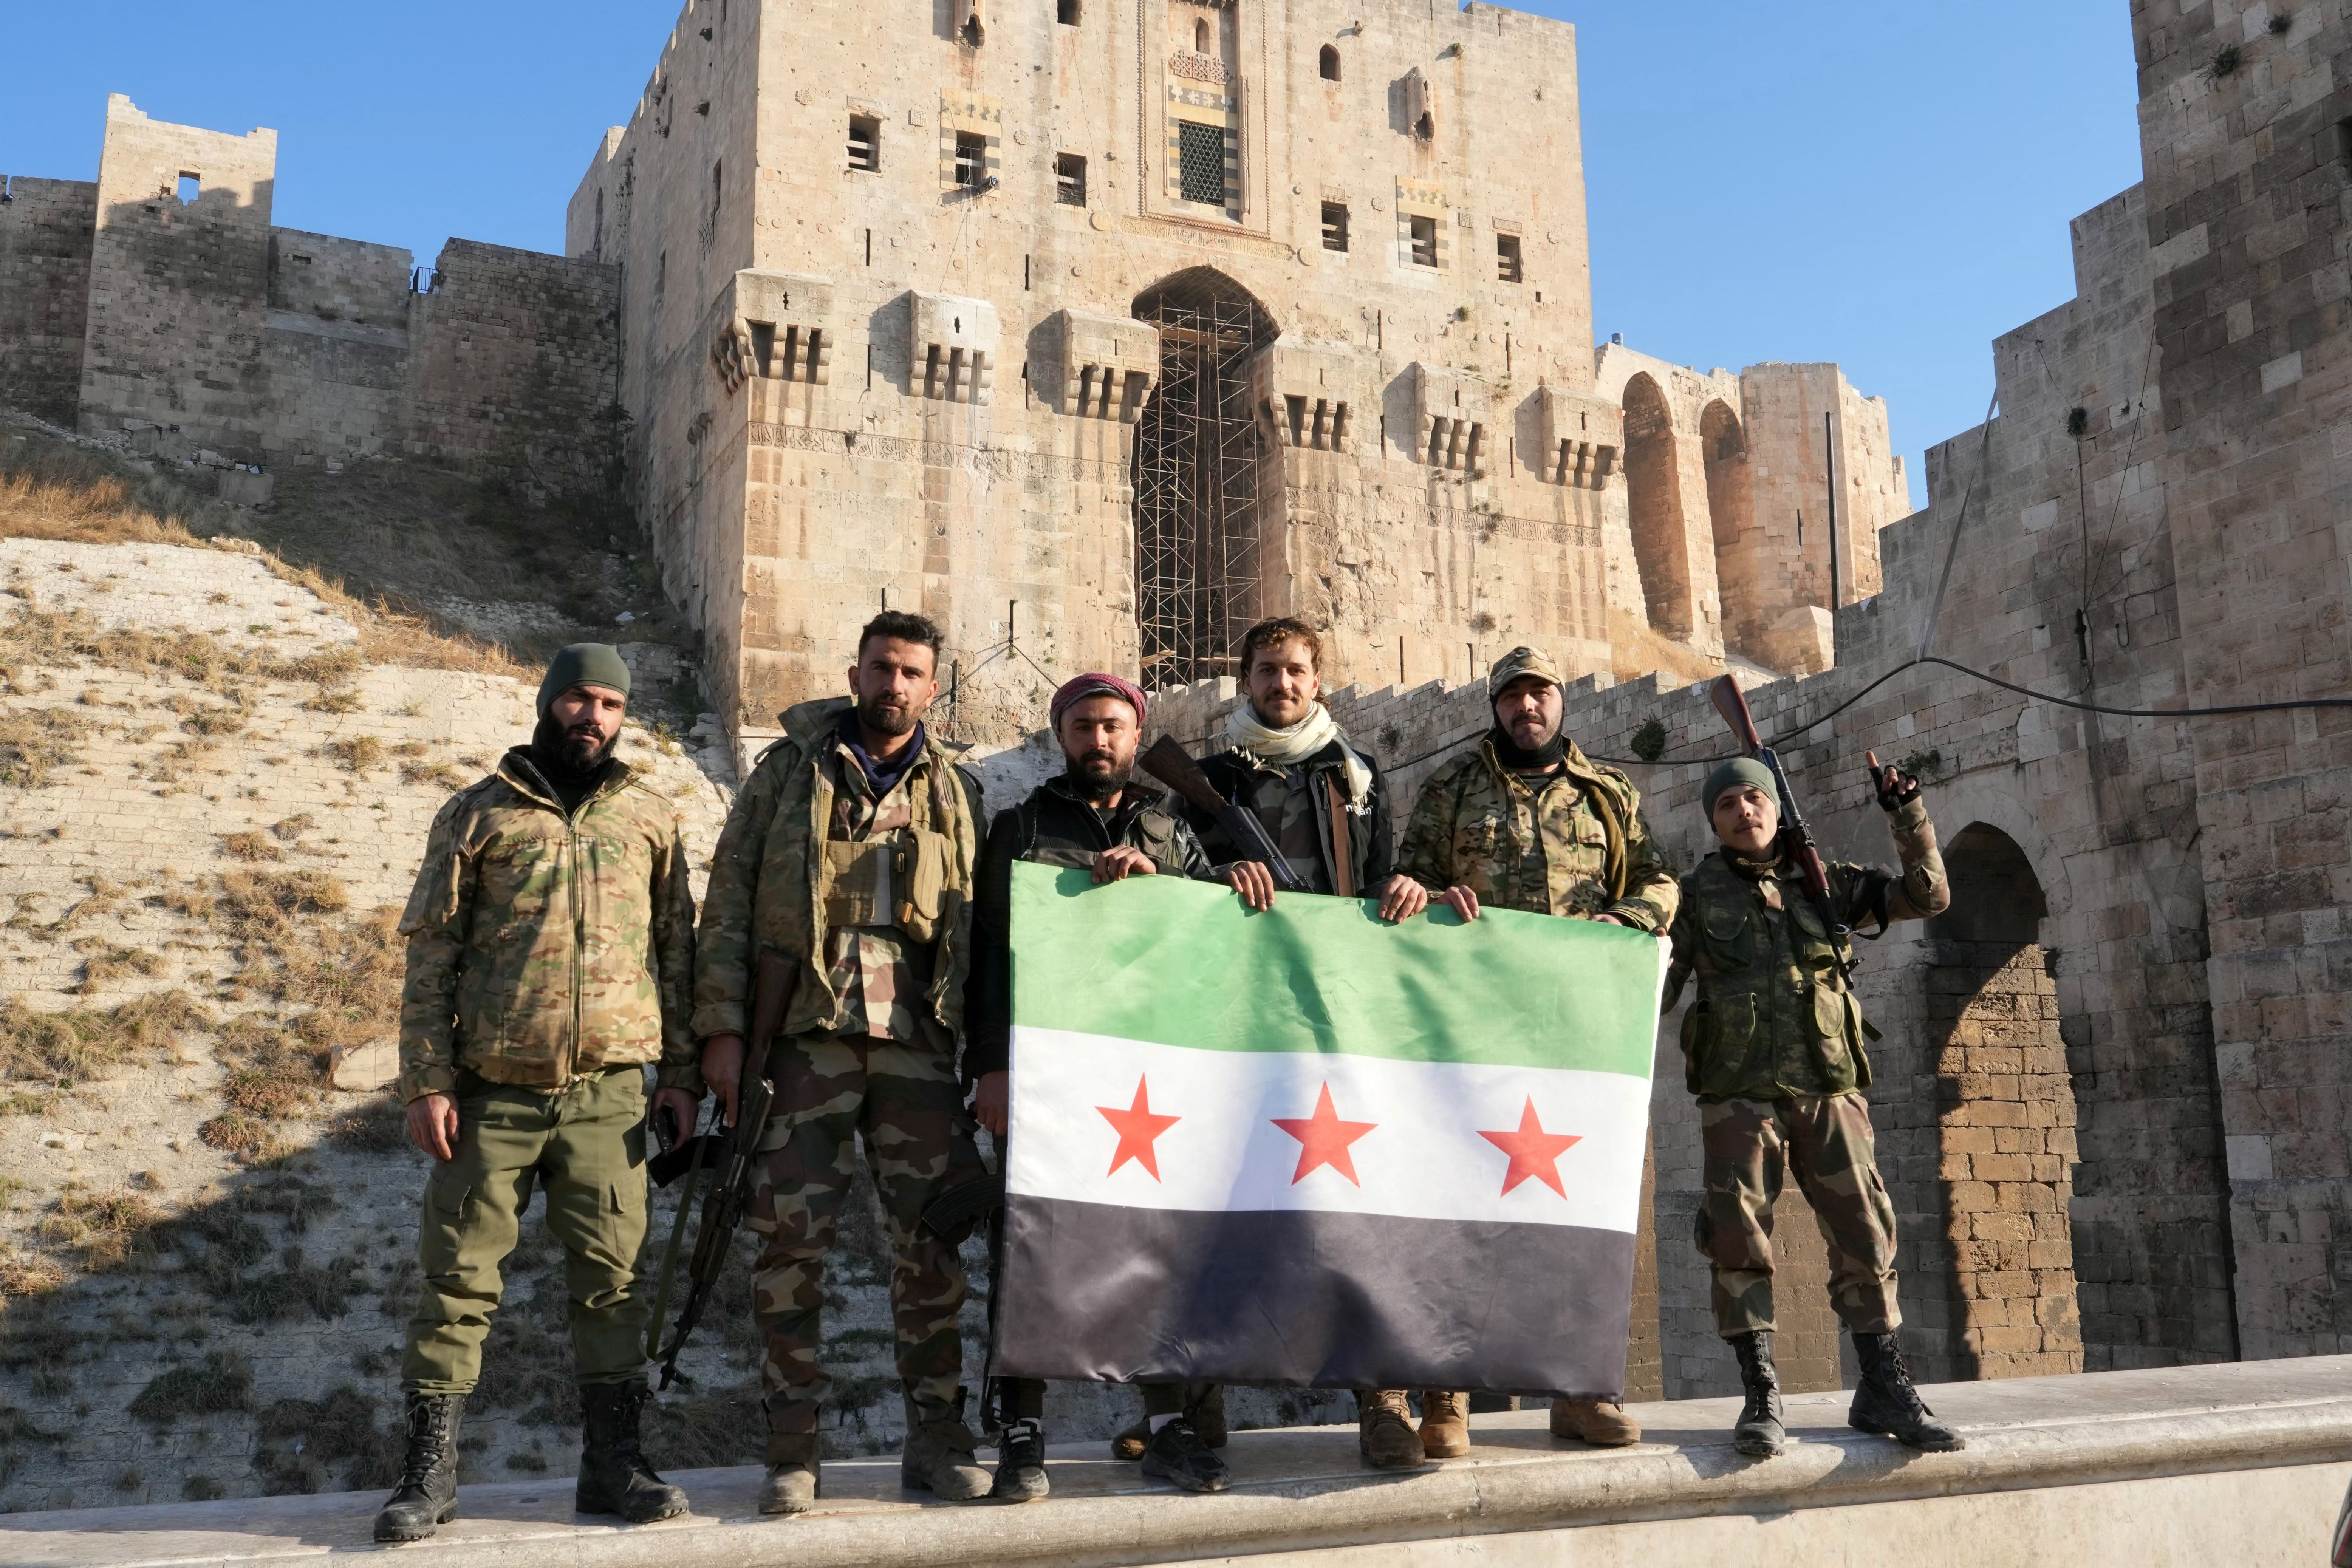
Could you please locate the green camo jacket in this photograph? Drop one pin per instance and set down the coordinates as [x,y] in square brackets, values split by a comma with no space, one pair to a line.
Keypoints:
[1579,848]
[764,879]
[542,946]
[1774,1020]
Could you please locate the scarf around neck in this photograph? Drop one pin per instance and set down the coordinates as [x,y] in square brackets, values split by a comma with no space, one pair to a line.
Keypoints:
[883,776]
[1295,743]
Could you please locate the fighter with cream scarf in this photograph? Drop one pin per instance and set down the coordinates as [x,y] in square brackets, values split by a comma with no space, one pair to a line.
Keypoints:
[1290,745]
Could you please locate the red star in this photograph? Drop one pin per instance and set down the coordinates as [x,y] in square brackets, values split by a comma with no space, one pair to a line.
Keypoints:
[1534,1151]
[1323,1139]
[1138,1127]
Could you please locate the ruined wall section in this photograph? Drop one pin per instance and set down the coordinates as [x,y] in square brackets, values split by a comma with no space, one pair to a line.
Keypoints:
[2243,110]
[1726,543]
[177,329]
[1003,507]
[44,237]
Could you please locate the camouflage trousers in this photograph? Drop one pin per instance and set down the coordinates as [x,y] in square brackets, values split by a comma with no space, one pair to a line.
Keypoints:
[904,1100]
[1750,1145]
[584,1147]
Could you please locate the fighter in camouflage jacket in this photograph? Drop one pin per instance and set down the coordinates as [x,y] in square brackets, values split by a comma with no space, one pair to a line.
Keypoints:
[1579,848]
[542,947]
[765,880]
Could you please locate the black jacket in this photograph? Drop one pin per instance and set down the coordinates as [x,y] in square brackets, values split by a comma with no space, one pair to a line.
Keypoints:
[1240,780]
[1052,827]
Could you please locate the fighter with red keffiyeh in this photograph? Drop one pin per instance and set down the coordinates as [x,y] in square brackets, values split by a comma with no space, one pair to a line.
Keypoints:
[1096,815]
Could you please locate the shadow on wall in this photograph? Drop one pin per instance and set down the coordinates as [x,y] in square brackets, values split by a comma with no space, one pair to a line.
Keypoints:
[2005,1113]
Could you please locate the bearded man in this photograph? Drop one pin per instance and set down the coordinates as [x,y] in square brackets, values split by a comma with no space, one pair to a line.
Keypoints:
[851,851]
[1523,819]
[551,951]
[1097,815]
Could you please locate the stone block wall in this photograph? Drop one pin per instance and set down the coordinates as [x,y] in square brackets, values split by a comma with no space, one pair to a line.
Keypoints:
[124,303]
[516,365]
[2244,109]
[45,235]
[338,346]
[179,281]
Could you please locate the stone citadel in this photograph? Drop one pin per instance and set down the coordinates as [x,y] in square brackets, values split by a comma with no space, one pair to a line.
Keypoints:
[1083,411]
[1099,330]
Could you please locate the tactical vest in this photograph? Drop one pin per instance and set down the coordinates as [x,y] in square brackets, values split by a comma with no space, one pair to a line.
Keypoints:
[1772,1019]
[896,878]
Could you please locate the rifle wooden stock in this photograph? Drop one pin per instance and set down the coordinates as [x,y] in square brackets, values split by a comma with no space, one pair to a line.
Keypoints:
[1173,766]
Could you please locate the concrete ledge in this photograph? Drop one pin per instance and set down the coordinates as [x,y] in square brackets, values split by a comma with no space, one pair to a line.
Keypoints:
[2118,1445]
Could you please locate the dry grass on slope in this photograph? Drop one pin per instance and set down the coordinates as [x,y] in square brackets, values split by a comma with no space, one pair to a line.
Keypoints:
[52,491]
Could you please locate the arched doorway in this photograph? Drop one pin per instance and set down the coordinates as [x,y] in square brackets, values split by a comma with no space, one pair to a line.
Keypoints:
[2005,1118]
[1654,500]
[1202,472]
[1731,509]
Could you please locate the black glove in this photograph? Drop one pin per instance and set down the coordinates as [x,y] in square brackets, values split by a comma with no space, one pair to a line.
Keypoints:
[1897,790]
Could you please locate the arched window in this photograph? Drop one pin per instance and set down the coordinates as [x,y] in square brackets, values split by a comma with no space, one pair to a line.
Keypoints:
[1200,37]
[1329,61]
[1202,507]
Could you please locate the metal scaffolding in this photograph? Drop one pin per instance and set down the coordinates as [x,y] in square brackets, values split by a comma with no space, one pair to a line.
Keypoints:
[1200,471]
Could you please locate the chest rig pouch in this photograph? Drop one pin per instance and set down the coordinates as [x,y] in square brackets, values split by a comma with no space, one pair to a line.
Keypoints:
[896,878]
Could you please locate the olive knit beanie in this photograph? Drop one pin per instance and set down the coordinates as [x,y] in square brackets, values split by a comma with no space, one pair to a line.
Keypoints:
[583,665]
[1739,770]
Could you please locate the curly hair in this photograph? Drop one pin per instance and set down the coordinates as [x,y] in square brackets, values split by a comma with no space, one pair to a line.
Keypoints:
[1281,629]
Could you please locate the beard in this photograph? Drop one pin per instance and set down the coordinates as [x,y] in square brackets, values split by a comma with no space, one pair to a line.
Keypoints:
[886,715]
[579,749]
[1096,776]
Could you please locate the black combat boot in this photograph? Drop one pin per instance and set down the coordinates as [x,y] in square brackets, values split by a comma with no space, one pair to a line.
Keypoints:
[1021,1462]
[613,1475]
[1176,1455]
[1885,1403]
[427,1496]
[1759,1434]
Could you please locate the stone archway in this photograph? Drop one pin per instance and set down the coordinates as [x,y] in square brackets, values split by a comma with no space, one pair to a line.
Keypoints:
[2005,1117]
[1731,510]
[1202,477]
[1654,500]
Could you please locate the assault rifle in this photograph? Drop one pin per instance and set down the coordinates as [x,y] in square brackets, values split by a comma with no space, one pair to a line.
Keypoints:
[736,1146]
[1173,766]
[1796,839]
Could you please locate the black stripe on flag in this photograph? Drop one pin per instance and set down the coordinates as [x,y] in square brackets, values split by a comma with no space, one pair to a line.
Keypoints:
[1102,1293]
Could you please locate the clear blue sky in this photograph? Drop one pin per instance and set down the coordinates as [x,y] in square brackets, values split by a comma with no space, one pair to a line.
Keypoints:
[1884,186]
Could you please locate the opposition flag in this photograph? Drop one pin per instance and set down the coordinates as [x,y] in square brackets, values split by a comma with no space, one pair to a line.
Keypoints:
[1305,1147]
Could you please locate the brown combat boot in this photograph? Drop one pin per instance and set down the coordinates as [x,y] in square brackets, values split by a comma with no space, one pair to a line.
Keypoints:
[937,1456]
[794,1481]
[1384,1433]
[1445,1424]
[1594,1421]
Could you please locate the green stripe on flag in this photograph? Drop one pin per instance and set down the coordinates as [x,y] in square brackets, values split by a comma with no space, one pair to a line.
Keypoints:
[1175,962]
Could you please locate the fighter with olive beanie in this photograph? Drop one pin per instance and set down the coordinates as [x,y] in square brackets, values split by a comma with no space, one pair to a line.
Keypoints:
[550,960]
[1774,1049]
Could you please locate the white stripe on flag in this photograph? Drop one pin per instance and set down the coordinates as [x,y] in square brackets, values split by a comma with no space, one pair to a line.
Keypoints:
[1426,1156]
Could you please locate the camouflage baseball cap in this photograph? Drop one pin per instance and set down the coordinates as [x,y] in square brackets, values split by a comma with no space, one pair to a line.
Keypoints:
[1521,662]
